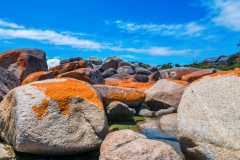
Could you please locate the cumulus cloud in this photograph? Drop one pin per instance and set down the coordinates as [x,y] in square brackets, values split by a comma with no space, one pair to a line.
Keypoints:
[53,62]
[228,13]
[128,56]
[190,29]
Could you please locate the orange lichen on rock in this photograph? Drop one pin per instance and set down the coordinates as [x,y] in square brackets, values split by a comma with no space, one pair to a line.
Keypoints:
[112,81]
[197,74]
[136,85]
[79,74]
[63,92]
[236,71]
[185,83]
[37,76]
[41,110]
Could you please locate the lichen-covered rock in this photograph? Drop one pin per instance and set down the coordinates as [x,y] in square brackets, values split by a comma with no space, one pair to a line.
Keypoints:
[119,111]
[38,76]
[130,96]
[95,60]
[6,152]
[22,62]
[154,76]
[144,111]
[109,72]
[125,70]
[85,64]
[164,94]
[129,145]
[112,81]
[56,116]
[167,71]
[197,74]
[66,67]
[85,74]
[70,60]
[8,81]
[177,75]
[208,117]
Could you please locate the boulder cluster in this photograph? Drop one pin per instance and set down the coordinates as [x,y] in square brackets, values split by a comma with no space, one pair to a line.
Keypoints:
[65,109]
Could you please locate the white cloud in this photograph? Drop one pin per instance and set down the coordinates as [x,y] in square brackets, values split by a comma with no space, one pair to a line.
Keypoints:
[228,13]
[50,37]
[53,62]
[128,56]
[61,39]
[11,25]
[155,51]
[191,29]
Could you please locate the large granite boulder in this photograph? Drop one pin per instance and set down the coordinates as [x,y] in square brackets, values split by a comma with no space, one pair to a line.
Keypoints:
[121,64]
[119,76]
[165,94]
[164,72]
[111,62]
[129,145]
[154,76]
[144,71]
[208,117]
[8,81]
[163,112]
[22,62]
[57,116]
[70,60]
[177,75]
[66,67]
[85,74]
[197,74]
[119,111]
[168,123]
[130,96]
[95,60]
[141,78]
[85,64]
[109,72]
[125,70]
[38,76]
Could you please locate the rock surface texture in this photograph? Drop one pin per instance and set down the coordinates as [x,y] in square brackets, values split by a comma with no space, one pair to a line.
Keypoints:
[128,145]
[85,74]
[6,152]
[38,76]
[130,96]
[22,62]
[119,111]
[164,94]
[208,117]
[57,116]
[8,81]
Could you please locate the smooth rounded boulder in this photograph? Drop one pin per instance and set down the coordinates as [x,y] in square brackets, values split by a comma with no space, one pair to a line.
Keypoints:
[8,81]
[208,117]
[165,94]
[130,96]
[53,117]
[95,60]
[119,111]
[89,75]
[38,76]
[66,67]
[22,62]
[129,145]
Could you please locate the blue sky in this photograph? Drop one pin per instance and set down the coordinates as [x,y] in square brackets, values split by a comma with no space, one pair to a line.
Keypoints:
[153,32]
